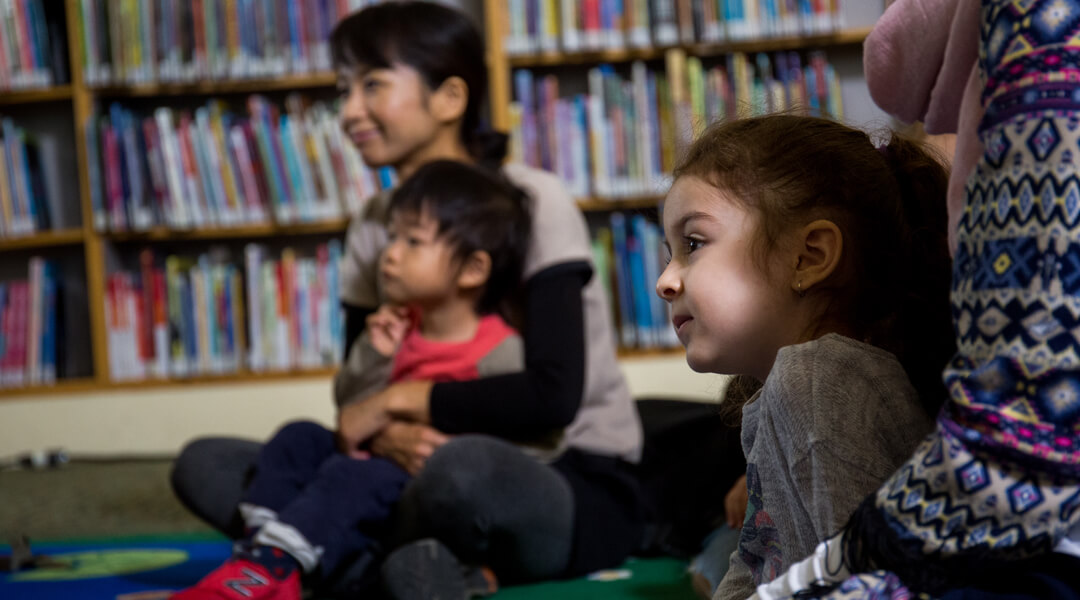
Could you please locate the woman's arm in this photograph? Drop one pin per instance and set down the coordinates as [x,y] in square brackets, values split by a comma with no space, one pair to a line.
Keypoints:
[545,396]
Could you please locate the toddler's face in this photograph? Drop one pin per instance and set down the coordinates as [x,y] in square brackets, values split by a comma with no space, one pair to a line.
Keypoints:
[725,309]
[417,268]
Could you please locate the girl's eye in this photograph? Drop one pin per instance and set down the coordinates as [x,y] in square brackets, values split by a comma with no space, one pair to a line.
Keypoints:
[413,241]
[691,244]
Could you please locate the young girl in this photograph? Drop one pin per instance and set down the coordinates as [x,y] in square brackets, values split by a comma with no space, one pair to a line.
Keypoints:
[830,285]
[986,507]
[458,237]
[414,80]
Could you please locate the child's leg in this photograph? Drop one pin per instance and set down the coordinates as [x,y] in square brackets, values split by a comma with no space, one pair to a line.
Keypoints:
[333,518]
[285,465]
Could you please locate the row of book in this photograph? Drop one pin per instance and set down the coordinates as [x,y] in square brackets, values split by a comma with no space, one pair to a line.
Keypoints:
[33,44]
[142,41]
[537,26]
[214,167]
[24,208]
[183,317]
[29,327]
[622,137]
[629,256]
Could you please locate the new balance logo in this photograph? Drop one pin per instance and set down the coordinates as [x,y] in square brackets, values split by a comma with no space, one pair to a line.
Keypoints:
[240,586]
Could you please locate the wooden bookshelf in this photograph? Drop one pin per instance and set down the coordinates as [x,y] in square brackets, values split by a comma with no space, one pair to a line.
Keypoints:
[91,384]
[219,87]
[846,37]
[98,247]
[43,239]
[223,233]
[58,93]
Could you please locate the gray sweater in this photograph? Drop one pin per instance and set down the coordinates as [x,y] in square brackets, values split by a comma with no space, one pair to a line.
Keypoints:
[834,419]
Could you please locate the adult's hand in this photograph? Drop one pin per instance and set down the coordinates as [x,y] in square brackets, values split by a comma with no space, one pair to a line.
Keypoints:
[358,422]
[735,504]
[408,444]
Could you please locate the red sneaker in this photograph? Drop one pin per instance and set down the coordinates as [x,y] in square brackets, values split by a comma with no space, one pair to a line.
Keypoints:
[240,579]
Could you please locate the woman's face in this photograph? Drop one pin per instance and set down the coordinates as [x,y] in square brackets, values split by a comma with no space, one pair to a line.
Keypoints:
[385,114]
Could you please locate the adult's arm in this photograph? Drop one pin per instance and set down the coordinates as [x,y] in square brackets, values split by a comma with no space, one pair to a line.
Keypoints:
[918,57]
[547,394]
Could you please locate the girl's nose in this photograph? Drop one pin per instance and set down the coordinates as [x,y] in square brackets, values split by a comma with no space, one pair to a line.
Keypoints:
[668,286]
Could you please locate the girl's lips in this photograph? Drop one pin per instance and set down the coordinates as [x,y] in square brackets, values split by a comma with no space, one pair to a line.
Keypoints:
[679,320]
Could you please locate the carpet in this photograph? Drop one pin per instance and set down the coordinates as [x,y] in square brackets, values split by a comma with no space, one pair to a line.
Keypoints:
[148,568]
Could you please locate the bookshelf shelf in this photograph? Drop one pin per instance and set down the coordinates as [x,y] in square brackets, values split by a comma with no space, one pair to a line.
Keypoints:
[228,378]
[845,37]
[225,86]
[68,386]
[223,233]
[32,96]
[44,239]
[607,204]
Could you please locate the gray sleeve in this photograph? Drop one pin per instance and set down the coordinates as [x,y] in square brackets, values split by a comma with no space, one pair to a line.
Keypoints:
[836,486]
[507,357]
[738,582]
[362,374]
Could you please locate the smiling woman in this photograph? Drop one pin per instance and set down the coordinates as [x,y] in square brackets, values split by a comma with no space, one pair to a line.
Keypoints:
[415,78]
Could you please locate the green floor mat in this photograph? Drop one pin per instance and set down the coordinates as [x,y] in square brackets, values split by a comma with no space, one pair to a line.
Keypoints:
[638,578]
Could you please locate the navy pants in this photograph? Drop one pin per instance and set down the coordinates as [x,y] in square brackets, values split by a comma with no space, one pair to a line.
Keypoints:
[339,504]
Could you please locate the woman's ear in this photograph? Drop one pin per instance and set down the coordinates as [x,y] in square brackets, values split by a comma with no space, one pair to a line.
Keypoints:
[474,271]
[450,99]
[819,248]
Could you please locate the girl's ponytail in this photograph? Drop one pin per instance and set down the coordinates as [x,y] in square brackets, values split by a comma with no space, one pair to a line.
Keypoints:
[923,332]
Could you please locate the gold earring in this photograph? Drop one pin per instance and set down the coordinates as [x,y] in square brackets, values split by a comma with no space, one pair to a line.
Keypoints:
[798,288]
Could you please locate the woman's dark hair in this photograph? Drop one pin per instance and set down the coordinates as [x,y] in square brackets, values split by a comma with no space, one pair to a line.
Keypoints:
[475,209]
[439,42]
[892,286]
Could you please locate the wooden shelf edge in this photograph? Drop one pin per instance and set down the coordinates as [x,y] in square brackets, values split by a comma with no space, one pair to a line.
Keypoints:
[64,386]
[238,232]
[841,37]
[43,239]
[224,86]
[90,385]
[27,96]
[224,379]
[612,204]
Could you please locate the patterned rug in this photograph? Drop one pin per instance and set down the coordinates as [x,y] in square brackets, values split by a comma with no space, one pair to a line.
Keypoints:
[150,568]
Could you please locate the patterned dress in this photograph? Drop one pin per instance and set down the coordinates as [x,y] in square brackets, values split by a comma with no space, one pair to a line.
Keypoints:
[1000,475]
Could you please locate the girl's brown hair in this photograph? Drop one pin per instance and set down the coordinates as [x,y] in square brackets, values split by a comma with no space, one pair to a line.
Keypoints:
[892,286]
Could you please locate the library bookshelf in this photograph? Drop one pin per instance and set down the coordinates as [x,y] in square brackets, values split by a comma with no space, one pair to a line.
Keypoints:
[572,72]
[90,247]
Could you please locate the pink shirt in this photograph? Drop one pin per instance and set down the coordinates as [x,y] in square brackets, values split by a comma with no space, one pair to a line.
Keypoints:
[421,359]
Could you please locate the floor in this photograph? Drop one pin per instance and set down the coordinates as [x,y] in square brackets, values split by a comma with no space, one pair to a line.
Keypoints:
[86,499]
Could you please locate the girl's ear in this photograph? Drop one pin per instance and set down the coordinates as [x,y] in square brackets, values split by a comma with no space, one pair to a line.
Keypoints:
[819,248]
[474,271]
[450,99]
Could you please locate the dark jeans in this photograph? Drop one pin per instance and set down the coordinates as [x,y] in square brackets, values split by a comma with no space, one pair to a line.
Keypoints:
[337,503]
[485,499]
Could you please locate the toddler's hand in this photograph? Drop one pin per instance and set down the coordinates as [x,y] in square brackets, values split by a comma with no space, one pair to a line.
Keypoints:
[358,422]
[387,327]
